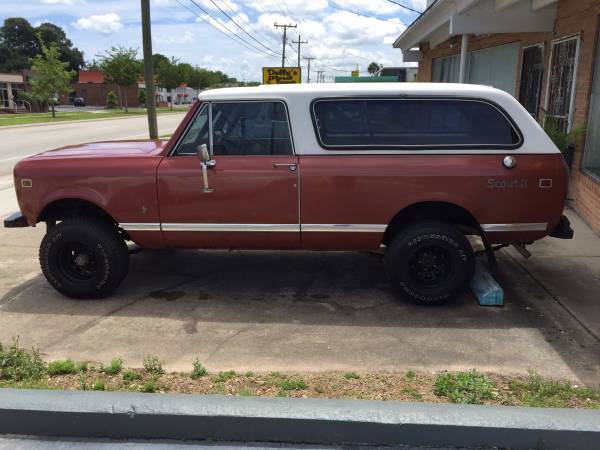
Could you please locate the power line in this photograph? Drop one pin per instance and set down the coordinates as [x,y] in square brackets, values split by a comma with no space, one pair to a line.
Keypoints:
[285,27]
[366,15]
[237,25]
[233,36]
[404,6]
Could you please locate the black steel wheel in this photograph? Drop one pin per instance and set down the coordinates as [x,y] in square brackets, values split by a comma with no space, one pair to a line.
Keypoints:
[429,262]
[84,258]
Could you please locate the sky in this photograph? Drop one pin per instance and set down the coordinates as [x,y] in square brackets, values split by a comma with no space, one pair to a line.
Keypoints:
[340,33]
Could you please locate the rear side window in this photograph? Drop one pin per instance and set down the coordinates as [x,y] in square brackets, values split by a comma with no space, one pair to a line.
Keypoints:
[412,124]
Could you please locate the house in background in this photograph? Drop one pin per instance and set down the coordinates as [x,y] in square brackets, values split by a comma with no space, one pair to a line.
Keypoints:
[93,88]
[182,95]
[543,52]
[11,84]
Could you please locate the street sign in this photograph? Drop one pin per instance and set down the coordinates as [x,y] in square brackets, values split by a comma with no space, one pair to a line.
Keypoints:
[355,73]
[281,75]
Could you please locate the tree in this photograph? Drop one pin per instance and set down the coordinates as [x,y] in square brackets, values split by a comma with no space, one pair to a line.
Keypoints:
[49,77]
[121,67]
[373,68]
[18,45]
[142,97]
[50,34]
[111,100]
[169,76]
[157,58]
[185,70]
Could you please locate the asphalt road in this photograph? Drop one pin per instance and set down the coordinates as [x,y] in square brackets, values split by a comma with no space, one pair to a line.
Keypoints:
[18,142]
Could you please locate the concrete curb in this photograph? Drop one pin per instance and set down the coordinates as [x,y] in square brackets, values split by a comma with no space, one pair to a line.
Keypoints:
[99,119]
[177,416]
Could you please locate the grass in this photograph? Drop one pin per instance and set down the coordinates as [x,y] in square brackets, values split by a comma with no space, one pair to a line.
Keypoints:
[24,368]
[61,367]
[114,368]
[22,119]
[153,365]
[465,387]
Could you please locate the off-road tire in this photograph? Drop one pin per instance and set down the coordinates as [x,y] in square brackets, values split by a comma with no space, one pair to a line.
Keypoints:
[448,268]
[99,242]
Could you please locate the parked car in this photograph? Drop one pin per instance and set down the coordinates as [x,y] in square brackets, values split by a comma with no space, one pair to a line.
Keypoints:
[405,169]
[79,101]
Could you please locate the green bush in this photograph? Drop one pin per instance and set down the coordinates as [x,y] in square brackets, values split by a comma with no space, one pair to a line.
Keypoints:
[153,365]
[292,385]
[464,387]
[142,97]
[149,387]
[17,364]
[198,370]
[61,367]
[99,385]
[131,375]
[351,376]
[114,368]
[111,100]
[222,377]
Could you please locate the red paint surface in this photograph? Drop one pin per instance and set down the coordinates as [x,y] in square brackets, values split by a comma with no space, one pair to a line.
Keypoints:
[136,181]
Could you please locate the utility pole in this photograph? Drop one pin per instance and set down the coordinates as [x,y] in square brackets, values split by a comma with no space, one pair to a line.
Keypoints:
[319,74]
[285,27]
[148,72]
[299,42]
[309,59]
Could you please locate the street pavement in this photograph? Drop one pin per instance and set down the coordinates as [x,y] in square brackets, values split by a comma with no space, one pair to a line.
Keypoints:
[18,142]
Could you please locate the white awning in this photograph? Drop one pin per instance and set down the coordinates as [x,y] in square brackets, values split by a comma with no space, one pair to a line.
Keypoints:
[446,18]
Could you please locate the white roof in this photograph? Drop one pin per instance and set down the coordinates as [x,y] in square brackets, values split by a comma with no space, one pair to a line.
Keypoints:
[351,89]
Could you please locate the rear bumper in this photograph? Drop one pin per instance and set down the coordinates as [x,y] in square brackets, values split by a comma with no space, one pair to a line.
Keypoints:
[15,220]
[563,229]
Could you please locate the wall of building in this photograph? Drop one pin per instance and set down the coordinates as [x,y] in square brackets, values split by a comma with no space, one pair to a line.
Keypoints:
[95,93]
[573,17]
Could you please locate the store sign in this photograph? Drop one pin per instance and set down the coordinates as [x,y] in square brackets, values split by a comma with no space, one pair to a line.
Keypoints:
[281,75]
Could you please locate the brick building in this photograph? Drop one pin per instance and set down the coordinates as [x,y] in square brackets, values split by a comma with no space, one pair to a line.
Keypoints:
[92,87]
[544,52]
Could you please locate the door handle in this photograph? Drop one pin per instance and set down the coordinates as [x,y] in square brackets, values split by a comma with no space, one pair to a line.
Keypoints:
[291,166]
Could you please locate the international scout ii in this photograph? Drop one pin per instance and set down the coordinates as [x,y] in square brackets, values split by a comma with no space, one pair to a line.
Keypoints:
[407,169]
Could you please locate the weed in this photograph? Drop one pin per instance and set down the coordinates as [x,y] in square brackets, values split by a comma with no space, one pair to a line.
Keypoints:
[538,392]
[222,377]
[410,375]
[17,364]
[131,375]
[249,374]
[198,370]
[83,382]
[99,385]
[276,375]
[114,368]
[61,367]
[149,387]
[83,366]
[320,390]
[464,387]
[414,393]
[292,385]
[351,376]
[245,393]
[153,365]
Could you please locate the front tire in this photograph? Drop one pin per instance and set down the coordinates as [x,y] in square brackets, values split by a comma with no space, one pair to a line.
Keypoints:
[429,262]
[84,258]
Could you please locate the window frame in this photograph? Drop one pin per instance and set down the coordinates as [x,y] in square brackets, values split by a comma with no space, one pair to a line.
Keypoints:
[573,94]
[501,110]
[209,104]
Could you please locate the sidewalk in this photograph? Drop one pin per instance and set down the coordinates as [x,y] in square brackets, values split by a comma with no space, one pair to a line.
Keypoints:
[569,271]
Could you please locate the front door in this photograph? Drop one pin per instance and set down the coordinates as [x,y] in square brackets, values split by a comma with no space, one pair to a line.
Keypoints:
[252,195]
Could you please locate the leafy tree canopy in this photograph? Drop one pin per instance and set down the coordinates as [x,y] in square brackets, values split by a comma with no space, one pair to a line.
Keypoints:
[18,44]
[374,67]
[50,34]
[121,66]
[49,76]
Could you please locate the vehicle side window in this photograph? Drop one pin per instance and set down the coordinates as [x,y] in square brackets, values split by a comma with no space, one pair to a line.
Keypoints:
[413,124]
[250,128]
[197,134]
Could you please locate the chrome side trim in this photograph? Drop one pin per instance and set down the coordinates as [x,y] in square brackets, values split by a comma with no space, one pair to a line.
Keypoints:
[140,226]
[255,227]
[503,227]
[344,228]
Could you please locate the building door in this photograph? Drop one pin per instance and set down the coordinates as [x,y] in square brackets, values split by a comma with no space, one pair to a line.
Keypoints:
[591,157]
[561,84]
[532,70]
[252,200]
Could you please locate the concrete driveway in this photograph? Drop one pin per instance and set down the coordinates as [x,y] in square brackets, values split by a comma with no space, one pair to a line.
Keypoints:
[301,311]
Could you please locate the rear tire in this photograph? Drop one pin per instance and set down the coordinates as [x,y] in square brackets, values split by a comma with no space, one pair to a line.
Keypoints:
[84,258]
[429,262]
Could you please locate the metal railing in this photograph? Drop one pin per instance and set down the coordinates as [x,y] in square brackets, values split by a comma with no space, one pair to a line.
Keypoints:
[16,106]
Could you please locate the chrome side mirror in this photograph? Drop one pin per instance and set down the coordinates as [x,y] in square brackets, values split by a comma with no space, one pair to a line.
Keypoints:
[205,162]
